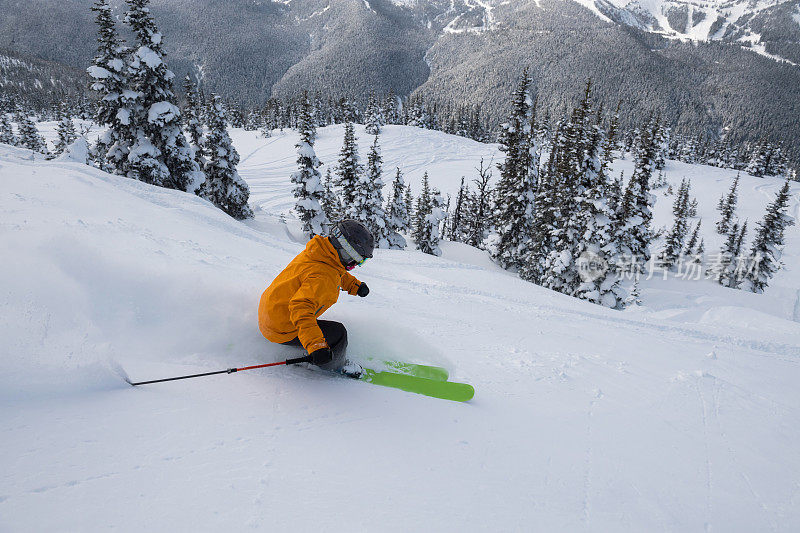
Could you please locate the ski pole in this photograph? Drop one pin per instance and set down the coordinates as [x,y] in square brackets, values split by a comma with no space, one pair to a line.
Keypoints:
[306,359]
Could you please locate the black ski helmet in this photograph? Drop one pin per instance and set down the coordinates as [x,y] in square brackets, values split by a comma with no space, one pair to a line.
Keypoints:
[353,242]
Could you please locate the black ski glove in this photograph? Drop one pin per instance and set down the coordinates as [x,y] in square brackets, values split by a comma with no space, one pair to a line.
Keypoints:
[363,290]
[321,356]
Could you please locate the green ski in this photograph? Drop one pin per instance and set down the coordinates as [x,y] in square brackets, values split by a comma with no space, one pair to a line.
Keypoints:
[435,373]
[446,390]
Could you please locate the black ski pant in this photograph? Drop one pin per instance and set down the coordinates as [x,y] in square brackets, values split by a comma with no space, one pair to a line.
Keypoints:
[336,336]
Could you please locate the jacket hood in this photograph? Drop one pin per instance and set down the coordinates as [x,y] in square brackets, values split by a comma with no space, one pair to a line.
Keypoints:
[320,249]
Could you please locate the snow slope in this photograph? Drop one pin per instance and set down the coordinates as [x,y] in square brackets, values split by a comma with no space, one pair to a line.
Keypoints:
[267,163]
[682,415]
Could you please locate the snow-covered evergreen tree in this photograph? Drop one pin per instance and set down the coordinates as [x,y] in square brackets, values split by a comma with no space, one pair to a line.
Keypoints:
[768,243]
[725,270]
[680,211]
[109,81]
[547,216]
[66,134]
[637,203]
[514,210]
[193,119]
[330,201]
[309,190]
[421,211]
[429,216]
[29,136]
[634,297]
[375,119]
[159,153]
[367,204]
[397,214]
[350,169]
[457,230]
[223,186]
[727,208]
[6,131]
[759,161]
[409,199]
[693,241]
[579,263]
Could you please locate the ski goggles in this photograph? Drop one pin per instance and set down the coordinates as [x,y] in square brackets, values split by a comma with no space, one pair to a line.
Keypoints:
[356,259]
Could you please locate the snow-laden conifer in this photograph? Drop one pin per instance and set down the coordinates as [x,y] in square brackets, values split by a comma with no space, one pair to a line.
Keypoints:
[331,204]
[309,190]
[397,214]
[193,119]
[637,203]
[29,136]
[457,230]
[429,216]
[159,153]
[579,264]
[514,210]
[7,135]
[349,170]
[223,186]
[693,241]
[677,235]
[109,82]
[421,210]
[66,134]
[367,204]
[727,207]
[374,116]
[768,243]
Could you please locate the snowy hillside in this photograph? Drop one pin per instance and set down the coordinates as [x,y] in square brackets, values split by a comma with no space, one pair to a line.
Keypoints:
[680,415]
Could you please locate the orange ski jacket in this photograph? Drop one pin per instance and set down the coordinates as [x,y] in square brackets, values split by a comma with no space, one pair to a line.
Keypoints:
[306,288]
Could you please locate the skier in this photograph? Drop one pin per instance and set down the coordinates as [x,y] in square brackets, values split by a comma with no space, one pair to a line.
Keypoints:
[308,286]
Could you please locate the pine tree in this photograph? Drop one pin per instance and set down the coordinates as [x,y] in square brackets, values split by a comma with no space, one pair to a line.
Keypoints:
[514,210]
[349,169]
[375,119]
[727,208]
[109,76]
[633,296]
[397,214]
[409,199]
[309,190]
[759,161]
[422,210]
[768,243]
[724,269]
[430,214]
[6,131]
[589,224]
[547,216]
[193,120]
[29,136]
[159,153]
[66,134]
[367,204]
[693,240]
[479,208]
[330,201]
[680,210]
[223,186]
[692,208]
[637,202]
[457,228]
